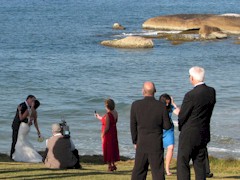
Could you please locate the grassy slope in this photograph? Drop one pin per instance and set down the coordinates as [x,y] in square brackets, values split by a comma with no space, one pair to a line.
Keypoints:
[94,169]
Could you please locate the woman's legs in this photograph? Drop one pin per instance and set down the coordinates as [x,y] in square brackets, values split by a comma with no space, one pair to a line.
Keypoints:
[169,158]
[112,166]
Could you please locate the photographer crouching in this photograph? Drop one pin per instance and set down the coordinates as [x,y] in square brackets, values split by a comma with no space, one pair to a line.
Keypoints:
[60,151]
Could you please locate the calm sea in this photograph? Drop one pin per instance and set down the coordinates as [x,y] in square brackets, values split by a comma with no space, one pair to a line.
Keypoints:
[51,49]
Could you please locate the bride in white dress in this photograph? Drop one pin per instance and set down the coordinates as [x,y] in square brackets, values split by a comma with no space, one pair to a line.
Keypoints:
[24,150]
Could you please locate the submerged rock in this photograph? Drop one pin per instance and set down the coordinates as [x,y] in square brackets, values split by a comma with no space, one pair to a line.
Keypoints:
[237,41]
[182,37]
[208,32]
[130,42]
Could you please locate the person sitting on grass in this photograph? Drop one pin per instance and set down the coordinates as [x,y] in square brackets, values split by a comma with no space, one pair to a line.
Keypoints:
[60,151]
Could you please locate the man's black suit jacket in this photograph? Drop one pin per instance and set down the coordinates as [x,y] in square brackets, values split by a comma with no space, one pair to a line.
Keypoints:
[195,114]
[148,119]
[16,120]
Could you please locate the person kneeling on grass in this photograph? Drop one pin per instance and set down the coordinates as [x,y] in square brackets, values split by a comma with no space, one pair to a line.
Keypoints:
[60,152]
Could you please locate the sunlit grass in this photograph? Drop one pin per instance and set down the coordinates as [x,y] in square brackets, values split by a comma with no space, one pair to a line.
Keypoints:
[94,169]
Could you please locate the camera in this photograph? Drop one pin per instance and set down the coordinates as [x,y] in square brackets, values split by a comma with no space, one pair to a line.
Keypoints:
[65,129]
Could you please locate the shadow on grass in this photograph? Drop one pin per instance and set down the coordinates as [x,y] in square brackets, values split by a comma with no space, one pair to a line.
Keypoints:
[231,177]
[45,173]
[5,158]
[93,159]
[60,174]
[97,159]
[5,171]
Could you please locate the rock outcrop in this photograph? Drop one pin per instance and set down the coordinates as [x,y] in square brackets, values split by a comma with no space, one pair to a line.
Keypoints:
[228,23]
[208,32]
[182,37]
[118,26]
[130,42]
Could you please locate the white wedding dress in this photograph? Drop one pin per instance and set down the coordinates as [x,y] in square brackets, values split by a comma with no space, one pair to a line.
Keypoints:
[24,150]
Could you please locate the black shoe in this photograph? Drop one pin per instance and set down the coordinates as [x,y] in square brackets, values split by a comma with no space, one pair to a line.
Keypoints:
[209,175]
[78,166]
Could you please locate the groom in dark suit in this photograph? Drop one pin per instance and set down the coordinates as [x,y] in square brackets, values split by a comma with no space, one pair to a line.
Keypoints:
[194,124]
[148,119]
[17,120]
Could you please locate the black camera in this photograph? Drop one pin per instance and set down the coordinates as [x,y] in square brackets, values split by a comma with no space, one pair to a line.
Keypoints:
[64,129]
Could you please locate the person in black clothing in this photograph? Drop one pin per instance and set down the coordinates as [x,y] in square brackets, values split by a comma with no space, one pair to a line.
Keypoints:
[208,172]
[148,119]
[25,107]
[194,124]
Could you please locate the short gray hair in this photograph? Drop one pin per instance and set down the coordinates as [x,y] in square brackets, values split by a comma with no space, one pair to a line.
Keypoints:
[198,73]
[56,127]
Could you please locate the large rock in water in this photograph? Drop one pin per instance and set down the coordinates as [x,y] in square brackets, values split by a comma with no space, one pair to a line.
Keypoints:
[228,23]
[130,42]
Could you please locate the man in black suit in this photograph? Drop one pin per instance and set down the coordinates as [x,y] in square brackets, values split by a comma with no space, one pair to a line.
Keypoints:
[25,106]
[148,119]
[194,124]
[208,172]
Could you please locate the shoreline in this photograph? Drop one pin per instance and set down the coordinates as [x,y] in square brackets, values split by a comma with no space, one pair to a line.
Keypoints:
[98,159]
[92,159]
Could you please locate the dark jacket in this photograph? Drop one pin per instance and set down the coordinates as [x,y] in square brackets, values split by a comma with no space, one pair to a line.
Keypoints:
[148,119]
[16,121]
[195,114]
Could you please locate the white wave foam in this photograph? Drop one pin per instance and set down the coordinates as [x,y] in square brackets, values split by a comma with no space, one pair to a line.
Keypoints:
[150,33]
[231,14]
[214,149]
[168,32]
[140,34]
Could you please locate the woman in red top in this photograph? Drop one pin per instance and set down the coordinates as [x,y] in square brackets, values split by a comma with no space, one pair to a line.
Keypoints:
[109,135]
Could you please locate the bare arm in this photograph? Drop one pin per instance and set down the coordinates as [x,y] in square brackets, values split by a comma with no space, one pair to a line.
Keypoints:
[107,126]
[98,116]
[177,109]
[36,123]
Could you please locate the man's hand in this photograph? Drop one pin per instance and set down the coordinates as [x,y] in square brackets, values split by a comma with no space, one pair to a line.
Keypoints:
[135,146]
[19,108]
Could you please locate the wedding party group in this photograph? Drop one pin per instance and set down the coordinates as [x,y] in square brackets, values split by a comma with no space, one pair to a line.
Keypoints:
[151,127]
[60,150]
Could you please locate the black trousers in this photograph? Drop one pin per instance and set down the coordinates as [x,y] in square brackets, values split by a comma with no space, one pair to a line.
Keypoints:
[207,162]
[185,154]
[143,160]
[15,128]
[75,153]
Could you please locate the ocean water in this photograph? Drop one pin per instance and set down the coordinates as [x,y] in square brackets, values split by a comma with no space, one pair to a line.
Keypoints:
[52,49]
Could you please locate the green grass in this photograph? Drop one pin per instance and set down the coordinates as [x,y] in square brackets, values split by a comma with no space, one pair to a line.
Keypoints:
[94,169]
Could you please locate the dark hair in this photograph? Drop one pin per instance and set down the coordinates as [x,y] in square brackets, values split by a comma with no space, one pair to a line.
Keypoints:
[163,99]
[36,104]
[109,103]
[30,96]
